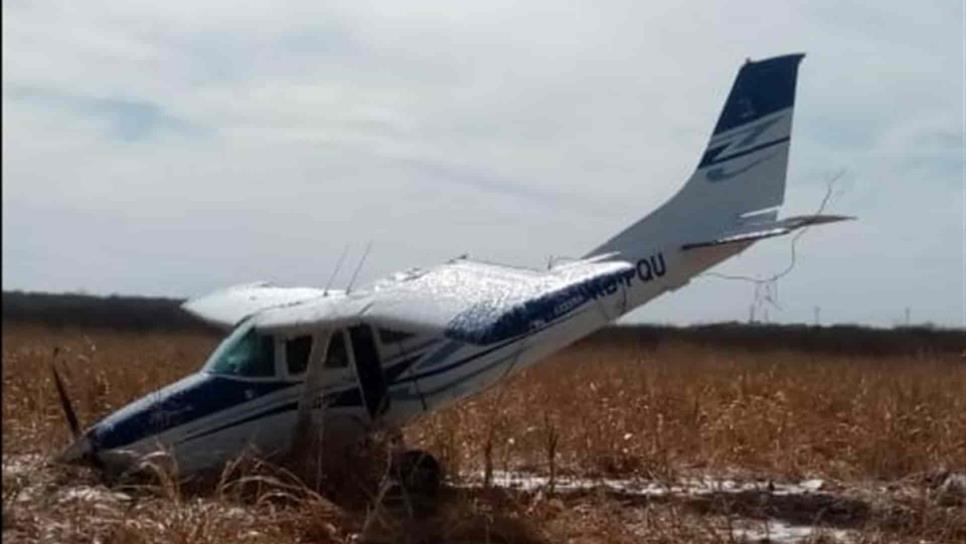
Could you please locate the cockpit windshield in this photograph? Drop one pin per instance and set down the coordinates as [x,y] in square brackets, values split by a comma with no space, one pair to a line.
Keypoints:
[244,353]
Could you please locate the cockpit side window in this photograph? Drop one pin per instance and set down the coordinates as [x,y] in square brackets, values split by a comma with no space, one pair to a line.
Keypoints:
[389,336]
[251,355]
[297,354]
[337,356]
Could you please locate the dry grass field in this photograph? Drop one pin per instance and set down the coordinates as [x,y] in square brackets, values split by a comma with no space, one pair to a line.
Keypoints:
[610,441]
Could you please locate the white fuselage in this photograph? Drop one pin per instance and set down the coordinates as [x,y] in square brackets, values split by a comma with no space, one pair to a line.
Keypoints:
[426,373]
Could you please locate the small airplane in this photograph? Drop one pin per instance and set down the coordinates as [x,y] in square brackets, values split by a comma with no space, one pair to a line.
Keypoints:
[352,363]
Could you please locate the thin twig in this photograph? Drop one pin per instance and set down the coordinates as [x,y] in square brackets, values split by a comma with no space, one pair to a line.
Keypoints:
[766,289]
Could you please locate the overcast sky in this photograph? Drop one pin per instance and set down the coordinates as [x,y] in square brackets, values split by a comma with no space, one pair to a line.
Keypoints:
[165,149]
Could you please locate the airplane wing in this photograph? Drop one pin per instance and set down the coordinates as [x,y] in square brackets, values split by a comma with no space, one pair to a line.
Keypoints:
[470,301]
[226,307]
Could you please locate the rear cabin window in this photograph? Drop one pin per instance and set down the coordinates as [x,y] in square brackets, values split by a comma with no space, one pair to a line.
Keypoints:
[251,355]
[297,354]
[337,356]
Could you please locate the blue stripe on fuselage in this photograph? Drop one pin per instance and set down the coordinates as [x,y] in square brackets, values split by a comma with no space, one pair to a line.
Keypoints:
[475,356]
[490,321]
[226,388]
[182,402]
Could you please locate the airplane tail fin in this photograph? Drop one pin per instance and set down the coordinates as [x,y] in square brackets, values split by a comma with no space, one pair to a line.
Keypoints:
[741,174]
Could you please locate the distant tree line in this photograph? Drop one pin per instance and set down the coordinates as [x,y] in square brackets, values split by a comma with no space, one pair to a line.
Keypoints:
[840,339]
[158,313]
[115,312]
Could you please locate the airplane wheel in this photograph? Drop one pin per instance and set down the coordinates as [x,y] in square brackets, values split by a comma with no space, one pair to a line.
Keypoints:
[418,473]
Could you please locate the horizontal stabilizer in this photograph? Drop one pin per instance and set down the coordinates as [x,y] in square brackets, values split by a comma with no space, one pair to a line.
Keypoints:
[758,231]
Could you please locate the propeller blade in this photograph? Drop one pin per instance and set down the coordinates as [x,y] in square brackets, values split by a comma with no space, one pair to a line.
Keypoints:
[64,401]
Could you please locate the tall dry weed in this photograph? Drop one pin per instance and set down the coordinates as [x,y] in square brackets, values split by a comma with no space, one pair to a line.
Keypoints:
[596,409]
[621,411]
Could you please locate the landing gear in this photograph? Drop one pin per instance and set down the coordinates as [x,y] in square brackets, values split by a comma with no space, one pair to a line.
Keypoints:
[414,482]
[418,472]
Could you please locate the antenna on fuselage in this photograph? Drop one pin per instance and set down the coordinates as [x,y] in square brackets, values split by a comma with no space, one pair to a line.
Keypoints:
[338,266]
[358,267]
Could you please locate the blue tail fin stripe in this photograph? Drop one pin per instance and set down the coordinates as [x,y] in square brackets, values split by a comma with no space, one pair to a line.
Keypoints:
[711,157]
[761,88]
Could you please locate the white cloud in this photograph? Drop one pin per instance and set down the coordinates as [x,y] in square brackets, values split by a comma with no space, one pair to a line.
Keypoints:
[436,129]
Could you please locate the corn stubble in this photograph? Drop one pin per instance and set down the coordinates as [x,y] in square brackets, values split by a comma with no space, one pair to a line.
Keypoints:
[883,430]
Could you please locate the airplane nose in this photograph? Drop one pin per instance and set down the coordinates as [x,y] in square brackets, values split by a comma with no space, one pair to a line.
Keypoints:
[78,452]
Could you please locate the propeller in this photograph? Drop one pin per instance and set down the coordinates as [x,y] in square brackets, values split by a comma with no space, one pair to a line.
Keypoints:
[65,404]
[82,447]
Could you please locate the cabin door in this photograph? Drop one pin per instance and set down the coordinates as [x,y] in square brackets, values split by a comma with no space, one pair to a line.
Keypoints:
[372,380]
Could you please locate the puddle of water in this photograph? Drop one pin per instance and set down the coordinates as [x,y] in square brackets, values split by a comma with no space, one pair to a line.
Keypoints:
[746,530]
[776,531]
[647,488]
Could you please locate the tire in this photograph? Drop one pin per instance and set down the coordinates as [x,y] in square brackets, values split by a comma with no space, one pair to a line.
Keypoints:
[418,473]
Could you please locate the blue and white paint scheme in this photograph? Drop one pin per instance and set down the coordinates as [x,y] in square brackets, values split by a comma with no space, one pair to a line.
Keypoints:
[299,359]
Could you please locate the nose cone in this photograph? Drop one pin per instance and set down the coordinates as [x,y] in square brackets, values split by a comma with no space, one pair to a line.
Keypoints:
[147,418]
[113,440]
[168,420]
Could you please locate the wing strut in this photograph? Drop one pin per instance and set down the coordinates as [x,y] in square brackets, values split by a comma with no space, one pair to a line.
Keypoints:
[302,431]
